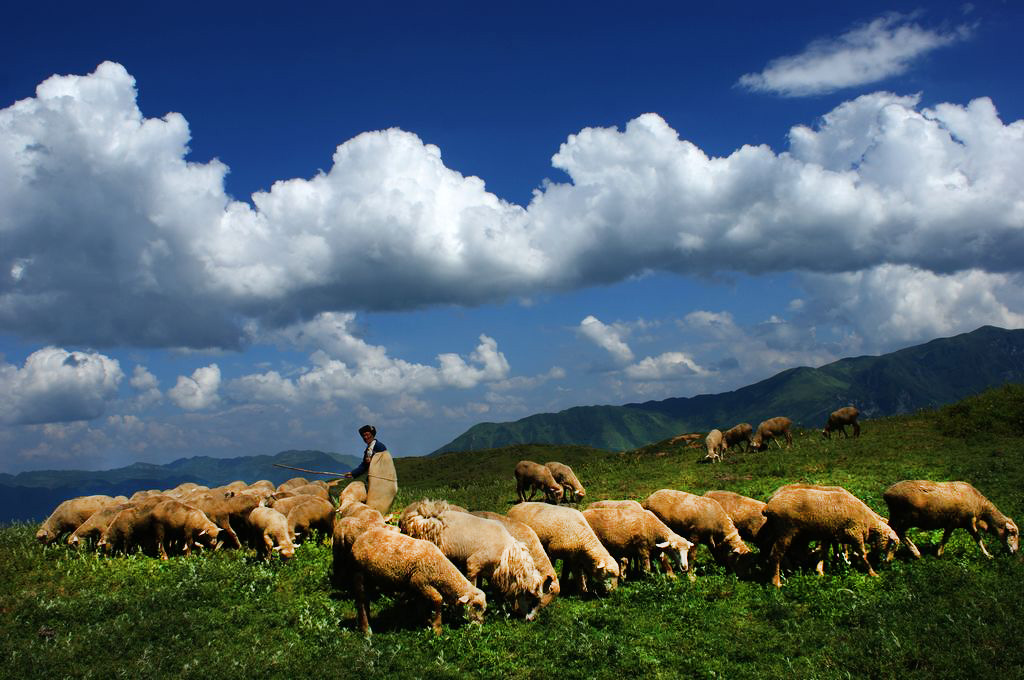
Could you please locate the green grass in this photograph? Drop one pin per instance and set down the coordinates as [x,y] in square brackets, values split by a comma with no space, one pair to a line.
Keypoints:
[68,614]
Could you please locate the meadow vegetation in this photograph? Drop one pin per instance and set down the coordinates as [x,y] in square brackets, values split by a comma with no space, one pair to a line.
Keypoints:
[75,614]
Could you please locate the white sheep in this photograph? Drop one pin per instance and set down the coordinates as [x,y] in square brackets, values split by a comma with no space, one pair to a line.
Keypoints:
[566,535]
[632,535]
[715,445]
[482,548]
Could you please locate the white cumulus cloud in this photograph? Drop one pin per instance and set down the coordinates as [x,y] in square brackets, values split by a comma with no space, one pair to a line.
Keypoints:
[57,386]
[198,391]
[666,366]
[607,337]
[866,54]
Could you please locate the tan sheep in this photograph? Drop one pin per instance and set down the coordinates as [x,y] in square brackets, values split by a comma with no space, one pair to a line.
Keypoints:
[97,523]
[715,445]
[839,419]
[744,512]
[291,483]
[385,559]
[482,548]
[772,429]
[566,535]
[312,489]
[155,527]
[799,514]
[699,520]
[70,514]
[315,514]
[737,434]
[230,513]
[923,504]
[270,534]
[523,533]
[355,491]
[632,535]
[608,503]
[563,474]
[534,476]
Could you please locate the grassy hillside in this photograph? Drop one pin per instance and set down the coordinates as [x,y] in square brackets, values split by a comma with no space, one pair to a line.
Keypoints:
[923,376]
[70,614]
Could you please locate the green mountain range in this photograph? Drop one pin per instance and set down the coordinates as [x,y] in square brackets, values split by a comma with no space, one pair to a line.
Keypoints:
[33,495]
[923,376]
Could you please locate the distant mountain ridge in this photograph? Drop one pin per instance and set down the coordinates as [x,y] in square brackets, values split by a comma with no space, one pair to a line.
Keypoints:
[923,376]
[33,495]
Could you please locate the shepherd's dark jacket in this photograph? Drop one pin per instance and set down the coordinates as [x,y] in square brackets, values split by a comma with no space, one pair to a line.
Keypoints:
[377,447]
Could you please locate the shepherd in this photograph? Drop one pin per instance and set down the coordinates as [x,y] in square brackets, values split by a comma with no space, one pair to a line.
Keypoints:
[382,480]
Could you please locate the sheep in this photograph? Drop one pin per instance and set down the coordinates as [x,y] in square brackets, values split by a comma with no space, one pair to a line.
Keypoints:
[285,504]
[715,445]
[947,505]
[293,482]
[184,489]
[737,434]
[534,476]
[632,534]
[744,512]
[699,520]
[839,419]
[312,489]
[386,559]
[347,528]
[355,491]
[801,514]
[269,531]
[522,532]
[315,514]
[564,475]
[772,429]
[156,526]
[616,504]
[481,548]
[70,514]
[566,535]
[229,513]
[96,524]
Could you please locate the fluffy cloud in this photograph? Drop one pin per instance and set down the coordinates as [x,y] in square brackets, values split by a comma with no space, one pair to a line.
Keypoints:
[98,204]
[607,337]
[667,366]
[198,391]
[866,54]
[56,386]
[347,367]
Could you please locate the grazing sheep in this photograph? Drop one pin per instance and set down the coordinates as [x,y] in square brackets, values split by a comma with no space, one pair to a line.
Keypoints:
[737,434]
[387,560]
[184,489]
[229,513]
[354,491]
[285,504]
[632,534]
[315,514]
[744,512]
[481,548]
[534,476]
[155,527]
[291,483]
[799,514]
[522,532]
[772,429]
[839,419]
[616,504]
[924,504]
[566,535]
[313,489]
[347,528]
[70,514]
[269,531]
[699,520]
[97,523]
[563,474]
[715,445]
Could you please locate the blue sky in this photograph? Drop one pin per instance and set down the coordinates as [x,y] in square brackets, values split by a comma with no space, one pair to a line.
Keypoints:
[235,229]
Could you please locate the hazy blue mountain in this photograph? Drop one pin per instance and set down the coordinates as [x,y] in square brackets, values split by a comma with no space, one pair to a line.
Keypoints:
[923,376]
[33,495]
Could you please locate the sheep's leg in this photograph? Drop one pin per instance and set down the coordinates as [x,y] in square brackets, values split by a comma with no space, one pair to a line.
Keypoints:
[474,565]
[976,535]
[778,550]
[859,540]
[435,602]
[945,537]
[160,541]
[362,602]
[901,533]
[269,545]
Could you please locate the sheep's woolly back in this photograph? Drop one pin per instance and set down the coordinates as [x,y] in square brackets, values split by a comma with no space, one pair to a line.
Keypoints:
[425,520]
[516,572]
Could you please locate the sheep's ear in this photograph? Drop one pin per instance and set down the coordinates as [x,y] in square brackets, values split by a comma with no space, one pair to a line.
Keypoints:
[464,599]
[548,582]
[203,532]
[663,544]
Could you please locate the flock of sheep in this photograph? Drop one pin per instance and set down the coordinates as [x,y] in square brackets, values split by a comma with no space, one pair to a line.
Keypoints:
[441,553]
[773,429]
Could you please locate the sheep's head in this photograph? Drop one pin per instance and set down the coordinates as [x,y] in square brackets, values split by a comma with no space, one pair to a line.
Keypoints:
[885,541]
[606,577]
[474,603]
[556,492]
[826,433]
[43,536]
[1010,536]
